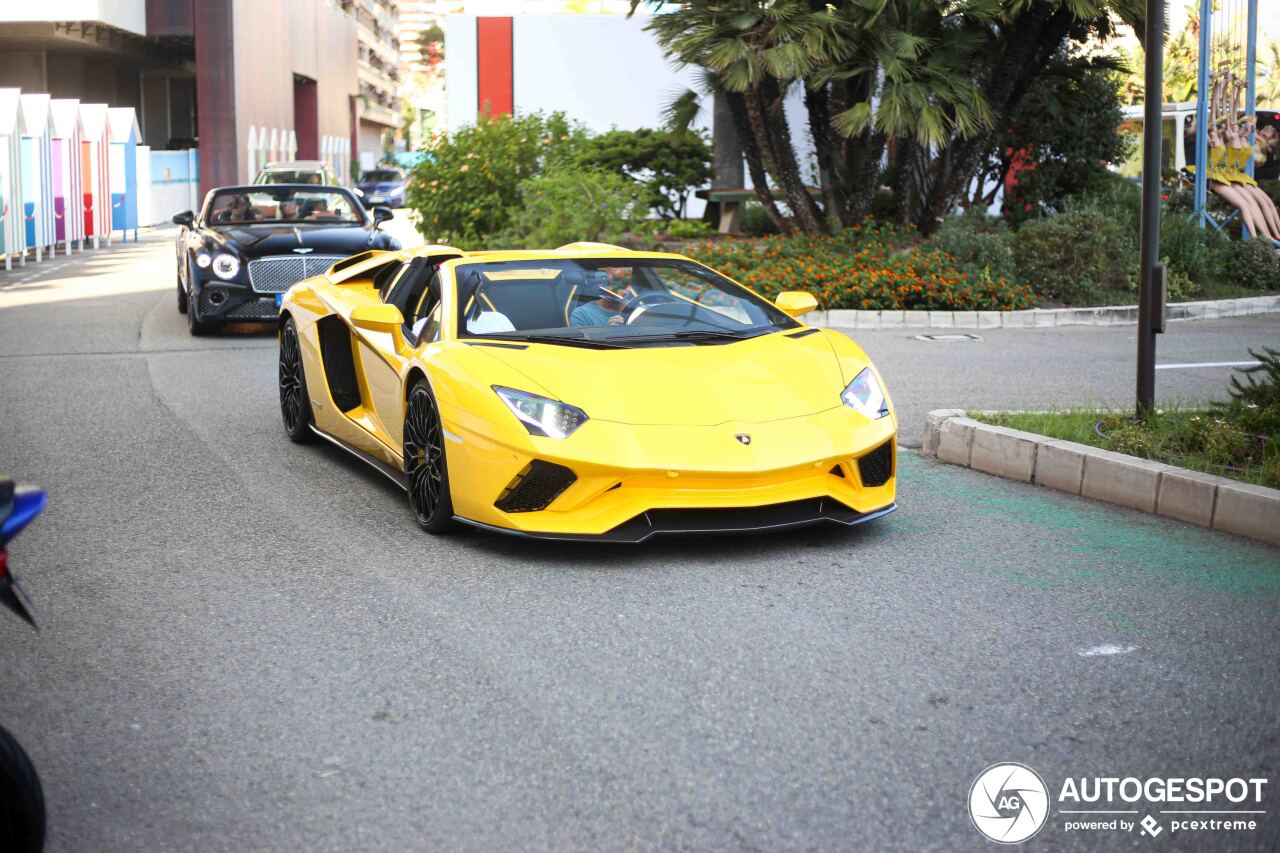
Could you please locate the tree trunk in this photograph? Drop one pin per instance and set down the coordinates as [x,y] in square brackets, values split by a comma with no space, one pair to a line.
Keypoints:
[764,107]
[827,148]
[755,160]
[863,153]
[912,179]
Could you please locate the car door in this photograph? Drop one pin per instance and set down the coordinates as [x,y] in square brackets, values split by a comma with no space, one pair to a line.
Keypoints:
[412,292]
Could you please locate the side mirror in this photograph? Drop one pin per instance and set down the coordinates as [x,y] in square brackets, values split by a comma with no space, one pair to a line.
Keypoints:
[795,302]
[377,318]
[381,214]
[186,217]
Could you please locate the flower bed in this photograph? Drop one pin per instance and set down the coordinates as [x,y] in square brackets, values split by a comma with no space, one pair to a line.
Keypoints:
[871,266]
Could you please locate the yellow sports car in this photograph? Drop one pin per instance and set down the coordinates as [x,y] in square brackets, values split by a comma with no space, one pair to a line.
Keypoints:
[590,392]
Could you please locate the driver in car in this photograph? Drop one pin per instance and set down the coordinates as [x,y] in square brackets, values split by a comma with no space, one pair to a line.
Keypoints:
[604,310]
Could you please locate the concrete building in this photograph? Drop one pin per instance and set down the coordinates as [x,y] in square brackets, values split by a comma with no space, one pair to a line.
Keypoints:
[422,77]
[244,81]
[378,73]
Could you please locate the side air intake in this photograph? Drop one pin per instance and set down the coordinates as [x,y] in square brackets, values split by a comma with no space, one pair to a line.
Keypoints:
[876,467]
[535,487]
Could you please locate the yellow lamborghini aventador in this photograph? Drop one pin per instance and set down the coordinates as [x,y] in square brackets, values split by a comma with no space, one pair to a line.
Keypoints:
[589,392]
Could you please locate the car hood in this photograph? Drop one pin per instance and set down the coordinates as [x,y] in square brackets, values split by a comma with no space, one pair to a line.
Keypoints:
[257,242]
[380,188]
[761,379]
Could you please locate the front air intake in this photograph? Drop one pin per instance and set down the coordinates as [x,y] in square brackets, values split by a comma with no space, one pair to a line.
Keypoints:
[876,467]
[535,487]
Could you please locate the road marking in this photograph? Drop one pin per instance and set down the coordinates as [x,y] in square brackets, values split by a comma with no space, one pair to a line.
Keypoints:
[1105,650]
[1207,364]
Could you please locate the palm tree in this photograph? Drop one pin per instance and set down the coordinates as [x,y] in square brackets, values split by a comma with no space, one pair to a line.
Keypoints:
[924,79]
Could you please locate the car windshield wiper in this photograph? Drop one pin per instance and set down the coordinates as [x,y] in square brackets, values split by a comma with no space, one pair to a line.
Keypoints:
[694,335]
[587,343]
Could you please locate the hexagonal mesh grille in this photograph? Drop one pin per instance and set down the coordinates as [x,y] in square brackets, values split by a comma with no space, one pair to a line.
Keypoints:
[535,487]
[259,309]
[876,467]
[276,275]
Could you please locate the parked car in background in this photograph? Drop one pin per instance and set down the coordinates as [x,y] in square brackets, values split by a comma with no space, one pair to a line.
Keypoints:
[383,185]
[296,172]
[249,244]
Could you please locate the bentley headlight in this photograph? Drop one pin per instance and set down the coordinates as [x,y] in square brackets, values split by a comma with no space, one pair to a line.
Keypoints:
[540,415]
[226,266]
[863,394]
[203,259]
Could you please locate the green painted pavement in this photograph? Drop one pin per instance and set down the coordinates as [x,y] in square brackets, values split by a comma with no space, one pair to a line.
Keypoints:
[1110,555]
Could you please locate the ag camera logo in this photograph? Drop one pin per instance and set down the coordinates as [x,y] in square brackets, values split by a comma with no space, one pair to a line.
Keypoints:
[1008,803]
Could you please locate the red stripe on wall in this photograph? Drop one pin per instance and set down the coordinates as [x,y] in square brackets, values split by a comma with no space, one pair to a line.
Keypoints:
[495,86]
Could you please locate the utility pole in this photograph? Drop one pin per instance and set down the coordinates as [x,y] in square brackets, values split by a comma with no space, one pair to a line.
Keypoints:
[1151,281]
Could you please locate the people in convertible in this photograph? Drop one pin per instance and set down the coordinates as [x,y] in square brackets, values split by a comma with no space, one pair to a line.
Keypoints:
[604,310]
[240,210]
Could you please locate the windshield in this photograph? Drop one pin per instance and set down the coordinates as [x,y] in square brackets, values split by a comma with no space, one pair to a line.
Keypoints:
[246,207]
[291,176]
[381,176]
[609,302]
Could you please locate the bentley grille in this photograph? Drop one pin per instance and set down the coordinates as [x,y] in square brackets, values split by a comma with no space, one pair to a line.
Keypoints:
[257,310]
[278,274]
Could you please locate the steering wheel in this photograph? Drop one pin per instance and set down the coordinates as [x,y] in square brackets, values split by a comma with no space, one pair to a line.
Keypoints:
[636,305]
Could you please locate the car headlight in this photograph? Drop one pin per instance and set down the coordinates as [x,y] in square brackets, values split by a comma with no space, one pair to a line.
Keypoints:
[203,259]
[540,415]
[226,266]
[864,395]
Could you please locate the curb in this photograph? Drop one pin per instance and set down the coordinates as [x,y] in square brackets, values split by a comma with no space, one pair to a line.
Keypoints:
[1112,315]
[1204,499]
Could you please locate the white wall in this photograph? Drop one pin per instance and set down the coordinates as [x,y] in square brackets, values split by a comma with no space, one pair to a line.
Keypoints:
[461,84]
[130,15]
[602,70]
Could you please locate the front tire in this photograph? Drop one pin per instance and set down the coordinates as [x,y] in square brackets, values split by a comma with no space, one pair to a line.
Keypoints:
[22,814]
[295,402]
[424,461]
[182,297]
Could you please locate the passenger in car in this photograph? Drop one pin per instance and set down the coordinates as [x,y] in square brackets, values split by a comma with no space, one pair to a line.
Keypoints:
[490,322]
[604,310]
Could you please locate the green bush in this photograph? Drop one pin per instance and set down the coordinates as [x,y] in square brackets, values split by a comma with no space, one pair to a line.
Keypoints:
[467,187]
[572,205]
[979,245]
[1068,127]
[1271,188]
[1253,264]
[685,229]
[754,221]
[668,164]
[1078,257]
[1201,255]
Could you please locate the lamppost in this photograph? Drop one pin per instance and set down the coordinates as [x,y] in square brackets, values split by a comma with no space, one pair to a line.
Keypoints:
[1151,286]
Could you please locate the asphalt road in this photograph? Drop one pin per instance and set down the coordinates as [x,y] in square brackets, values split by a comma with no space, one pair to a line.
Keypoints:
[252,647]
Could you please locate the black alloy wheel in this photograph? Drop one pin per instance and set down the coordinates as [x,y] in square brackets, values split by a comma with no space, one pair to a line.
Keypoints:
[424,461]
[295,403]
